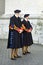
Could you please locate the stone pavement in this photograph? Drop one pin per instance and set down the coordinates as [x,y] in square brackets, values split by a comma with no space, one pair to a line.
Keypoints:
[35,58]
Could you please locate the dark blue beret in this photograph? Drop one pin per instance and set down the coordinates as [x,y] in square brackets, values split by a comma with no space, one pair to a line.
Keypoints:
[17,11]
[26,15]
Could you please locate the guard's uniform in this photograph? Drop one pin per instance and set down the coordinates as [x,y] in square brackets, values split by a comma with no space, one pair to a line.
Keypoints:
[27,36]
[14,36]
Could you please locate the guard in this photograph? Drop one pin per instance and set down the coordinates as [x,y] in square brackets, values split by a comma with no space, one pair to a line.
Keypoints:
[27,36]
[14,34]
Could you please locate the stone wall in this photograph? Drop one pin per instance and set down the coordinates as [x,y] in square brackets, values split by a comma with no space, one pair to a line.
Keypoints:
[37,32]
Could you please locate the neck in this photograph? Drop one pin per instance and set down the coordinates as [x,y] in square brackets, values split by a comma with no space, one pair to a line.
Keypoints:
[16,16]
[26,19]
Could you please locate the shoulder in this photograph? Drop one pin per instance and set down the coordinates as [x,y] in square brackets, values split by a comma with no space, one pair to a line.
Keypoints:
[12,17]
[29,22]
[23,22]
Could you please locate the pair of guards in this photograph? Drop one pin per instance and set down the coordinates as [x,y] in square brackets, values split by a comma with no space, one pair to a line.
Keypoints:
[19,34]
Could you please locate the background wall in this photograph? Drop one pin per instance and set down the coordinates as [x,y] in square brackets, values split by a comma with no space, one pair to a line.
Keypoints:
[33,7]
[27,6]
[2,7]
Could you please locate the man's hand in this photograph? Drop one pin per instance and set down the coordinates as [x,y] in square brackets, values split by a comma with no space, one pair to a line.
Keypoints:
[19,30]
[29,30]
[10,27]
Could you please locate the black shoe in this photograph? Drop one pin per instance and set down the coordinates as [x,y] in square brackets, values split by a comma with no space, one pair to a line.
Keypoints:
[18,56]
[24,53]
[28,52]
[13,58]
